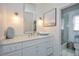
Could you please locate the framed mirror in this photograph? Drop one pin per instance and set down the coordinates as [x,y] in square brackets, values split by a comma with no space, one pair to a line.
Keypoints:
[50,18]
[29,17]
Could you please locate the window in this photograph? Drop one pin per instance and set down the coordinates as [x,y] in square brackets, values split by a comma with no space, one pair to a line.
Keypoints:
[76,23]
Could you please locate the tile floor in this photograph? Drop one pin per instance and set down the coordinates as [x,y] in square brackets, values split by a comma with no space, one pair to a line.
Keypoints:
[67,52]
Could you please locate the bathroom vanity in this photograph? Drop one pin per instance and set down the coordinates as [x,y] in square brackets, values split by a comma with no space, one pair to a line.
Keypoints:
[27,46]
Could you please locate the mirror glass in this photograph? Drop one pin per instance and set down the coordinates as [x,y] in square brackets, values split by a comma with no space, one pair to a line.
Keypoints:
[29,17]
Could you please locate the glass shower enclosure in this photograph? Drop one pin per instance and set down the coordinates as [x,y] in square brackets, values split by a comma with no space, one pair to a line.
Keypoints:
[64,28]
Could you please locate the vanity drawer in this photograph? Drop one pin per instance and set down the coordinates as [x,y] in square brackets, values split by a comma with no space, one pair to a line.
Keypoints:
[8,48]
[44,40]
[34,42]
[29,43]
[15,53]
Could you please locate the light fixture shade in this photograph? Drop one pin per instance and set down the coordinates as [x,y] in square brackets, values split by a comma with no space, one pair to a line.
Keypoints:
[16,13]
[40,18]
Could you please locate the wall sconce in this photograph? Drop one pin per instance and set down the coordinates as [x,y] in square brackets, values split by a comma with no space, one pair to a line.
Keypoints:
[40,18]
[16,18]
[40,21]
[16,13]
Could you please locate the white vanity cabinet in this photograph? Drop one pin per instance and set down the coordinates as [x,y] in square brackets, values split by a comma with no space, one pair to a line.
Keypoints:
[41,49]
[15,53]
[29,51]
[10,48]
[45,47]
[37,47]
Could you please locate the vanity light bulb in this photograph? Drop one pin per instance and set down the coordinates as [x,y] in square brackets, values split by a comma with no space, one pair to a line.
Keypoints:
[15,19]
[45,22]
[40,22]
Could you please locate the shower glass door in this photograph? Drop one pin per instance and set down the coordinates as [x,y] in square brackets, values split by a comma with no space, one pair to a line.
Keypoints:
[65,28]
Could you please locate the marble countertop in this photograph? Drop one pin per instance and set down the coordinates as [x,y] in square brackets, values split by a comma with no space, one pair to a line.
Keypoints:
[20,38]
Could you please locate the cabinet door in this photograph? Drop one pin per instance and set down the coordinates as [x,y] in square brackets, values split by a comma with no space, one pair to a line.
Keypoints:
[48,47]
[15,53]
[41,50]
[45,48]
[9,48]
[29,51]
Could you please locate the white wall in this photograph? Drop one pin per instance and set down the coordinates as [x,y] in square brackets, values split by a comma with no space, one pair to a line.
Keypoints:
[1,22]
[8,14]
[55,31]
